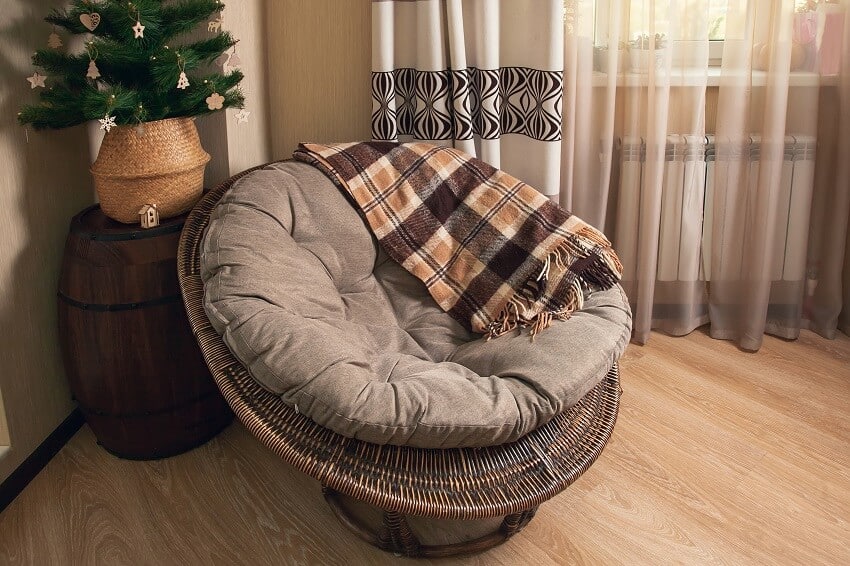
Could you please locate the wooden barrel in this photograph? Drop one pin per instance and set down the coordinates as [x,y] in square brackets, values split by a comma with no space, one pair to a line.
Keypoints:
[133,365]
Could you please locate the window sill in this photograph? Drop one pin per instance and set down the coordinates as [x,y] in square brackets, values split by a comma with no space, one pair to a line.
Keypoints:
[708,77]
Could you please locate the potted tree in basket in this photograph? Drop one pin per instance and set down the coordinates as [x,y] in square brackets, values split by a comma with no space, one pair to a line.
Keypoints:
[144,86]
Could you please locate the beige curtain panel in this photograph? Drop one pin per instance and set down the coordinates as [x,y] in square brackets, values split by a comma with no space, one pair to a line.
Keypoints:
[710,139]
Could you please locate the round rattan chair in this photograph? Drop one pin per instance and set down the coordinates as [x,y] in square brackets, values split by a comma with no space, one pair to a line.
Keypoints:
[509,480]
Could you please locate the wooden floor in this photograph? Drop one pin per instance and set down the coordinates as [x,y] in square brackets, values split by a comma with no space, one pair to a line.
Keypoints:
[718,456]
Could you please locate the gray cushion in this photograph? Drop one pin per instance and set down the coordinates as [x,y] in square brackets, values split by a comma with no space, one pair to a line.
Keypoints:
[304,298]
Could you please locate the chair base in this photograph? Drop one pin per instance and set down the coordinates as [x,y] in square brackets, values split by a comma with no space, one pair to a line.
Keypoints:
[395,535]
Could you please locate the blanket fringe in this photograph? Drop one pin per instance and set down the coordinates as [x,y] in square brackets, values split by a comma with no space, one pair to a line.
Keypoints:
[512,315]
[603,272]
[607,252]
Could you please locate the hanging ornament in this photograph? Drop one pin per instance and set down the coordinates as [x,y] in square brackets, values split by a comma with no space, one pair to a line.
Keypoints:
[36,80]
[93,72]
[183,81]
[234,60]
[107,122]
[140,116]
[215,101]
[53,40]
[214,26]
[221,60]
[242,116]
[138,30]
[90,21]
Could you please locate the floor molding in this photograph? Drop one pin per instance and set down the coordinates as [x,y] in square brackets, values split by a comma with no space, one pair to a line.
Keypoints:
[29,468]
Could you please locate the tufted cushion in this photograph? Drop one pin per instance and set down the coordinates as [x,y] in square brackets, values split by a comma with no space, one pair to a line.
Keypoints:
[304,298]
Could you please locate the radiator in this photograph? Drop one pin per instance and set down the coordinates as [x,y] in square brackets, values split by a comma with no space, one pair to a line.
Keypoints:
[697,173]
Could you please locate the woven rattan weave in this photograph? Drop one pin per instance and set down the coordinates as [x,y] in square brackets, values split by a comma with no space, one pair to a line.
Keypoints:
[509,480]
[161,164]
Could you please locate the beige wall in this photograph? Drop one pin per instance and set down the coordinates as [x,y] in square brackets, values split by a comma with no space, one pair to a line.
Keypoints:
[307,65]
[234,146]
[43,183]
[320,56]
[249,144]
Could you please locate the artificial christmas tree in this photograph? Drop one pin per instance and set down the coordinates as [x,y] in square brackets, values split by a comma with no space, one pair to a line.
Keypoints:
[143,84]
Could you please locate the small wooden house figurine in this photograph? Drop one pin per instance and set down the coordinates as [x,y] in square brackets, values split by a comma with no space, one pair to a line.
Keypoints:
[149,216]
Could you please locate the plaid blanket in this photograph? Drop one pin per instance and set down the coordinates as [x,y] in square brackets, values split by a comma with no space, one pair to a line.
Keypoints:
[493,252]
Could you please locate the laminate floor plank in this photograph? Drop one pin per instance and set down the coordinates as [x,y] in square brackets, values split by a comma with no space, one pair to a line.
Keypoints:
[718,457]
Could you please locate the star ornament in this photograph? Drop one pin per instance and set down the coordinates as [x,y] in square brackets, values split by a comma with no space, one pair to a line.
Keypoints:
[107,123]
[242,116]
[138,30]
[215,101]
[36,80]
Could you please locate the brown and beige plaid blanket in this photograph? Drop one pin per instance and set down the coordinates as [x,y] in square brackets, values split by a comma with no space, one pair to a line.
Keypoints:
[493,252]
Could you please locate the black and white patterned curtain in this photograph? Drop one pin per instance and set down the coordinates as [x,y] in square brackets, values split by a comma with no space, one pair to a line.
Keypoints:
[483,76]
[462,104]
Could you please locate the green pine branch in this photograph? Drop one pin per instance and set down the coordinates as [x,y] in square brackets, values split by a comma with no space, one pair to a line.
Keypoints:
[46,115]
[72,67]
[168,63]
[138,76]
[116,20]
[162,22]
[194,102]
[182,17]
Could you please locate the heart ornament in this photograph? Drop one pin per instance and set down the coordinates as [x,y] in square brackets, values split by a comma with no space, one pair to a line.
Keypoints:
[91,21]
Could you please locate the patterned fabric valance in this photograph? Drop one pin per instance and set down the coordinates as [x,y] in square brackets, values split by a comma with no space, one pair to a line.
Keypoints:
[461,104]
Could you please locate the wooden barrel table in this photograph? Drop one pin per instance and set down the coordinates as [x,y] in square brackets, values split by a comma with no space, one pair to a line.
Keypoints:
[132,363]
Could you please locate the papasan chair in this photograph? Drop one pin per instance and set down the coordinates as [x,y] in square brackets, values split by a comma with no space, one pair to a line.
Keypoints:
[339,361]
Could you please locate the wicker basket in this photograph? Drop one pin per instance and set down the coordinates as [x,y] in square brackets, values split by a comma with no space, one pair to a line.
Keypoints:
[161,163]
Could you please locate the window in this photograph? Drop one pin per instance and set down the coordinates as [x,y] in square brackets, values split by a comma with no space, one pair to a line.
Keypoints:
[694,21]
[717,15]
[717,19]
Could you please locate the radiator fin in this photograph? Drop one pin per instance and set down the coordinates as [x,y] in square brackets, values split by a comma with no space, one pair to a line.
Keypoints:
[697,180]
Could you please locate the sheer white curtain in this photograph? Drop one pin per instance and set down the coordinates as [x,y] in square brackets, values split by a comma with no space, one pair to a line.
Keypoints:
[721,169]
[733,228]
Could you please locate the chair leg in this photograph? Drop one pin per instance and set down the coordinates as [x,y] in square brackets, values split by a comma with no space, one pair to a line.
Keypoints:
[516,522]
[395,535]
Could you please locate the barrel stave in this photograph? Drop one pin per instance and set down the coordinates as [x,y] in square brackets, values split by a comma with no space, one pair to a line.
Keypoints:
[130,357]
